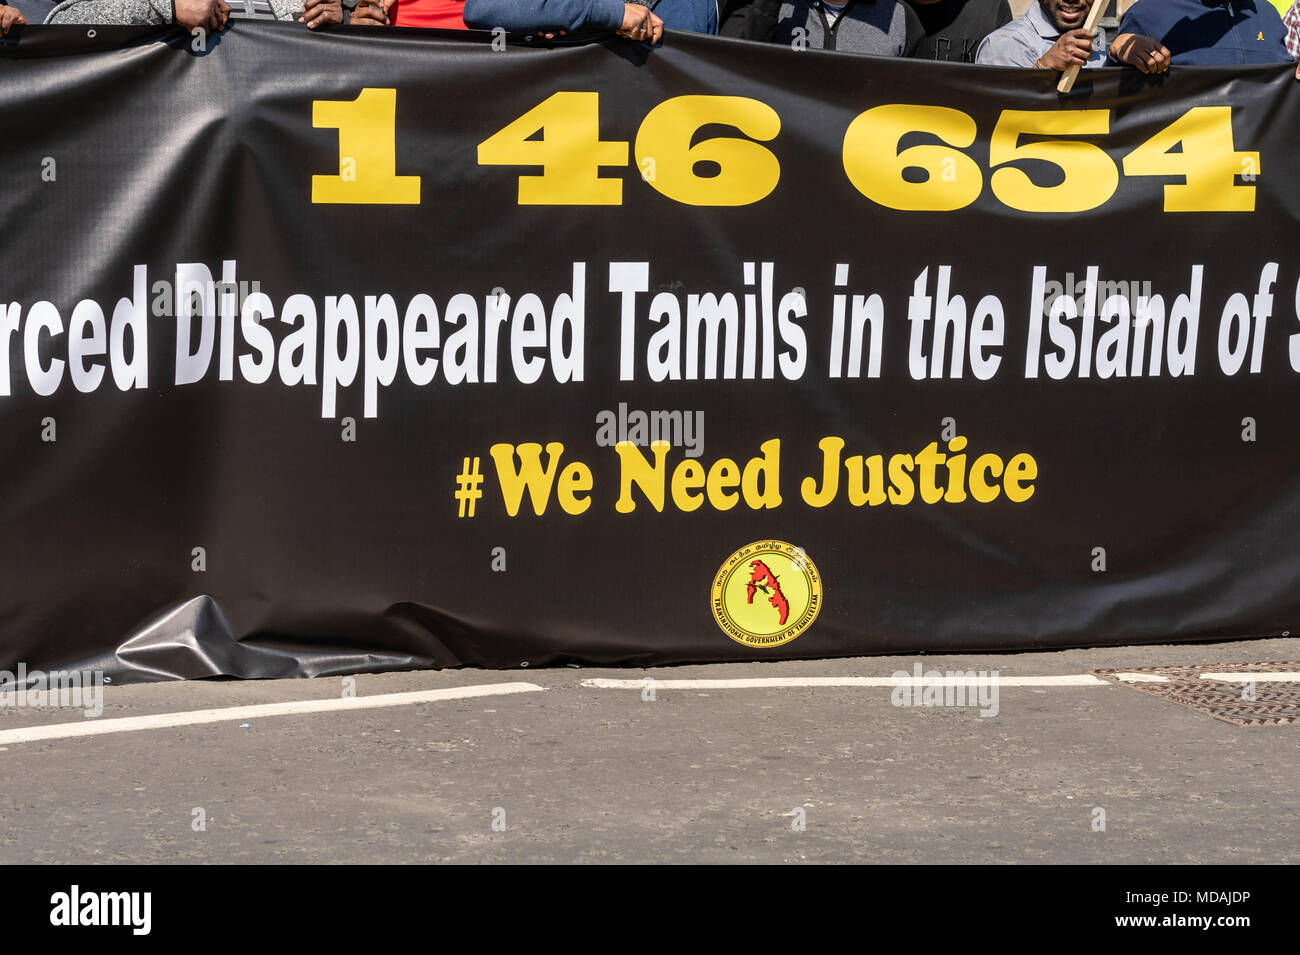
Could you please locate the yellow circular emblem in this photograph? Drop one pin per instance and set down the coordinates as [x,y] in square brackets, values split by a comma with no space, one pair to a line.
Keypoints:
[766,594]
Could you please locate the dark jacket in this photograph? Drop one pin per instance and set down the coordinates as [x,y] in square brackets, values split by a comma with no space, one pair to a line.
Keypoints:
[954,29]
[1211,32]
[876,27]
[528,16]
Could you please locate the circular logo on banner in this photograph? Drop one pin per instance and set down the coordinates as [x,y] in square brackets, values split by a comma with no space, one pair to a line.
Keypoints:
[766,594]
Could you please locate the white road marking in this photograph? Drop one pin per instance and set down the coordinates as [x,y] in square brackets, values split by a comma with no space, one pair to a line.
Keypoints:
[129,724]
[1080,679]
[1284,676]
[1141,678]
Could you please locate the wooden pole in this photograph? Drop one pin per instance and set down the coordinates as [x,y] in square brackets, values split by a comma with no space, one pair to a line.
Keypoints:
[1095,13]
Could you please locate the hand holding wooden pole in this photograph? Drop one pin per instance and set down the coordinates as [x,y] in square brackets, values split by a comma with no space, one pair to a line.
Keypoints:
[1095,13]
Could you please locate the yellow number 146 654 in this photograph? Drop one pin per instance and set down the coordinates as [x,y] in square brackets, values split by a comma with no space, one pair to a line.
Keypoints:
[560,139]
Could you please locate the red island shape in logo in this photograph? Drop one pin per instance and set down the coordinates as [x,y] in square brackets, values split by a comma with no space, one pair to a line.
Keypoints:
[761,578]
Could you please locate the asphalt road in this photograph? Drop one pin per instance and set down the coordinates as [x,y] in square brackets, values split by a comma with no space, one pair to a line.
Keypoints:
[573,773]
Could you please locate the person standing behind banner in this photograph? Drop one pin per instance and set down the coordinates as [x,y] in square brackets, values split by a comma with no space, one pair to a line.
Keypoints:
[1212,32]
[954,29]
[874,27]
[1050,36]
[190,14]
[209,15]
[314,13]
[439,14]
[1292,23]
[636,20]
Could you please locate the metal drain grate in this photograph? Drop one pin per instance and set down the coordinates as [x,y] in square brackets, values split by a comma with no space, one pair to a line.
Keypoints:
[1244,694]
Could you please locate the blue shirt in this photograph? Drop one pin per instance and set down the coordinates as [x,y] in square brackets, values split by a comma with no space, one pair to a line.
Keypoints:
[1021,42]
[34,11]
[530,16]
[1211,32]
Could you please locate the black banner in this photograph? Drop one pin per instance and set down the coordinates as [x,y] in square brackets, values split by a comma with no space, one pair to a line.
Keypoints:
[328,352]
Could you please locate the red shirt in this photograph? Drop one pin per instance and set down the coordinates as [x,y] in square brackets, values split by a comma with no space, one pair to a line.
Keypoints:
[447,14]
